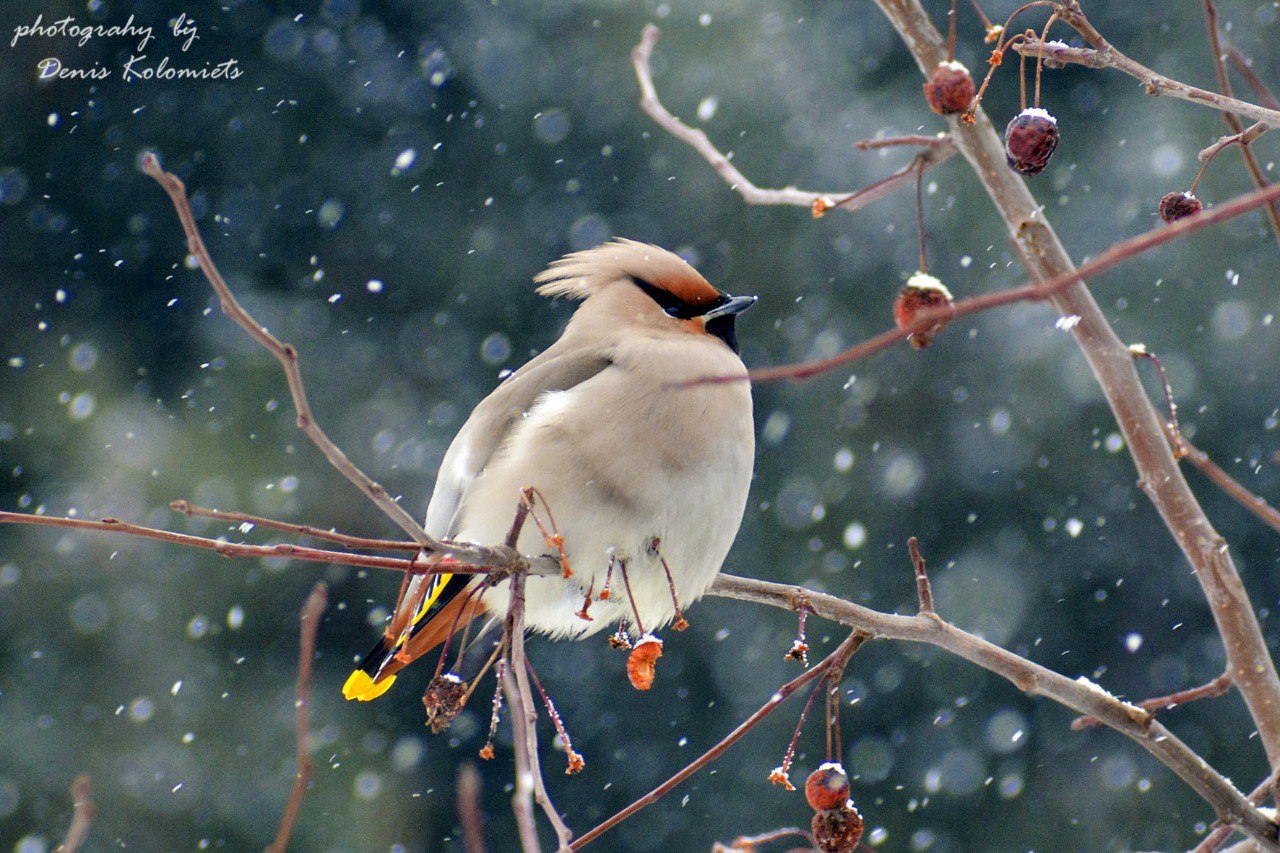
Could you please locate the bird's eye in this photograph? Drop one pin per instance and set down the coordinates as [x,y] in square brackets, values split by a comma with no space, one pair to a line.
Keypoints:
[671,304]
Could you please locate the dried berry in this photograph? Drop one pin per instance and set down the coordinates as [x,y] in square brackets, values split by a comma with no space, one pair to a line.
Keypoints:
[642,662]
[444,700]
[827,787]
[1029,141]
[949,89]
[837,830]
[1177,206]
[799,651]
[779,776]
[922,292]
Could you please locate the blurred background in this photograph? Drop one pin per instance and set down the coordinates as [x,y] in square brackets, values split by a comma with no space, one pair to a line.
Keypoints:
[379,186]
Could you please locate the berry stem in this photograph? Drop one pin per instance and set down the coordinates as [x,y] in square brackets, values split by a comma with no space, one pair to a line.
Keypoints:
[919,165]
[951,32]
[1044,34]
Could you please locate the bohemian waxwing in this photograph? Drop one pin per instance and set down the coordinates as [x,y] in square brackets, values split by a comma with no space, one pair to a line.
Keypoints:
[636,469]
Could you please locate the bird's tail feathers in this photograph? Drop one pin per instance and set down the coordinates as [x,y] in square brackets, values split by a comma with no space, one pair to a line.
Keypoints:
[444,610]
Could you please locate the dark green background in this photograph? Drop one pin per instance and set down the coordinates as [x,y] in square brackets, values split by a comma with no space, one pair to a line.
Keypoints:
[130,389]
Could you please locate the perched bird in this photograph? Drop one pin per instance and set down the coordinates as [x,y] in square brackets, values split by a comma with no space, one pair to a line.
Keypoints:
[646,477]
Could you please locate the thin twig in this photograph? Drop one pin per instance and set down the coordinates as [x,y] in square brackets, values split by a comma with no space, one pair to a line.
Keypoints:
[284,353]
[923,591]
[1210,690]
[1104,55]
[940,149]
[1233,487]
[190,510]
[1244,67]
[500,565]
[1222,832]
[575,762]
[470,814]
[1029,292]
[746,843]
[897,141]
[312,610]
[524,715]
[1080,695]
[1184,449]
[83,811]
[1241,136]
[522,790]
[838,657]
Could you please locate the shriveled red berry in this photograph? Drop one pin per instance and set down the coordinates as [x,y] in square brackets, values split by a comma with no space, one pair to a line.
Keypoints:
[444,700]
[827,787]
[921,293]
[1177,206]
[642,662]
[1030,140]
[949,88]
[837,830]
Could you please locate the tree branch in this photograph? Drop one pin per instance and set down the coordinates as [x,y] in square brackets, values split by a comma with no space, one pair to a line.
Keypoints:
[285,354]
[492,561]
[1029,292]
[837,659]
[1249,660]
[190,510]
[1081,695]
[83,811]
[1105,55]
[938,150]
[312,610]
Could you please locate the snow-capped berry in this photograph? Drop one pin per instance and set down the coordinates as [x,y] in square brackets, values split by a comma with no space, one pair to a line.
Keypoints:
[837,830]
[1029,140]
[921,293]
[642,662]
[1177,206]
[827,787]
[444,700]
[949,88]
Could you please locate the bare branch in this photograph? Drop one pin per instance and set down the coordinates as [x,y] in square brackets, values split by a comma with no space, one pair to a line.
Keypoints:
[1257,796]
[1233,487]
[837,659]
[524,715]
[469,812]
[522,790]
[1081,695]
[1249,659]
[190,510]
[1051,288]
[1105,55]
[500,561]
[939,150]
[284,353]
[923,591]
[312,610]
[1184,449]
[1210,690]
[83,811]
[1243,137]
[1244,67]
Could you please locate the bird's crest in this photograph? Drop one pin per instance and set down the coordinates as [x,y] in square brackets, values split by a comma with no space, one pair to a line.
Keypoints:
[581,274]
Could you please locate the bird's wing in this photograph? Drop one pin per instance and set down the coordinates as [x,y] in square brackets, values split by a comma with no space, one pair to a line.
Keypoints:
[434,606]
[558,368]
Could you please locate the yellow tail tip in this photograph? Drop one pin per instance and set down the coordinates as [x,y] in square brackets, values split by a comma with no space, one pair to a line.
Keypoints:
[362,688]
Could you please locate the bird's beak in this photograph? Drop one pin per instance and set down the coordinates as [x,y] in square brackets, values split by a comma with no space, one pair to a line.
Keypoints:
[731,307]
